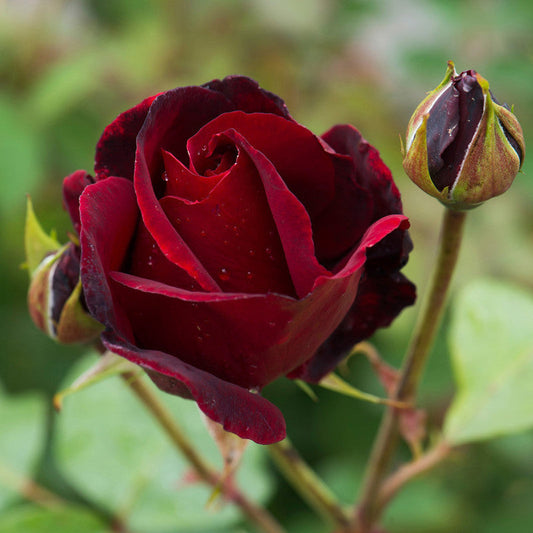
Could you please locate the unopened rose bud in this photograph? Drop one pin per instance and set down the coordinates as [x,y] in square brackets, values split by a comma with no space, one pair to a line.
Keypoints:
[462,146]
[55,295]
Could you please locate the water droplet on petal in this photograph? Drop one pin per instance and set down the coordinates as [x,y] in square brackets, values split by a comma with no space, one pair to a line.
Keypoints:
[268,251]
[203,233]
[251,252]
[164,176]
[224,274]
[249,275]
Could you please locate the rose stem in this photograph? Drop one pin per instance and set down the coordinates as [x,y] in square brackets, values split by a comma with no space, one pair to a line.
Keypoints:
[258,515]
[409,471]
[307,484]
[415,359]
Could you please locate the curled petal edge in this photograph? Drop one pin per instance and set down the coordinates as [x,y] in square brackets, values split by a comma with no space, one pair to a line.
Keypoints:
[240,411]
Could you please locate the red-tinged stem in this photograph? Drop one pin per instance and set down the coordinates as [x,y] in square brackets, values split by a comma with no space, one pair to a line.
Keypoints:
[369,509]
[256,514]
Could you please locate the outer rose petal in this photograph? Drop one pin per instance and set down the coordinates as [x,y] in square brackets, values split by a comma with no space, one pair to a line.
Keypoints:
[73,186]
[115,151]
[246,95]
[221,333]
[371,173]
[379,300]
[246,414]
[107,228]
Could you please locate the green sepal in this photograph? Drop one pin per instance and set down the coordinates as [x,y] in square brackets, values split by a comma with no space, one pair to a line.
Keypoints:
[37,243]
[107,366]
[75,324]
[334,383]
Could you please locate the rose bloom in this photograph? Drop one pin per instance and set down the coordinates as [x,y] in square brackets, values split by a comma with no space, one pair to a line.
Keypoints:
[224,245]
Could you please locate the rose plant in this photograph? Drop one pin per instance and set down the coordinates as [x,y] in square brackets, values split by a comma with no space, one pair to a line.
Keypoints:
[224,245]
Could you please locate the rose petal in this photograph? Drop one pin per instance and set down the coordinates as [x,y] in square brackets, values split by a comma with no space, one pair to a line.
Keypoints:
[291,218]
[246,414]
[147,261]
[172,119]
[294,151]
[249,340]
[379,300]
[233,234]
[73,186]
[107,227]
[184,184]
[115,151]
[246,95]
[370,171]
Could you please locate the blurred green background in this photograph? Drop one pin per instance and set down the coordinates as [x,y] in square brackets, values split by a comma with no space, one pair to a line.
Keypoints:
[67,68]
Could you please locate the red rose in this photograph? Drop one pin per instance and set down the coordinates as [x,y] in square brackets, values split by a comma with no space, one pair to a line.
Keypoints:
[223,244]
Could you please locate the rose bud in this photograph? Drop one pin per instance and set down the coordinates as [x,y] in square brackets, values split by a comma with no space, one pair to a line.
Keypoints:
[462,146]
[55,294]
[223,245]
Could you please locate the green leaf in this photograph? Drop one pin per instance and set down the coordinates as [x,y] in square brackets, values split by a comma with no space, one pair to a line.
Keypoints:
[491,342]
[117,455]
[32,519]
[21,439]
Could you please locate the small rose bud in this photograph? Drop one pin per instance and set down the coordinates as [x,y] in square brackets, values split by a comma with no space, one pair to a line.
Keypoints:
[462,146]
[55,295]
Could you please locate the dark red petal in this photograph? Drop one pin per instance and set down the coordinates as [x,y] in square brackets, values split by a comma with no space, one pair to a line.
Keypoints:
[184,184]
[297,154]
[239,411]
[115,151]
[233,234]
[246,95]
[339,227]
[73,186]
[109,215]
[370,171]
[291,219]
[174,117]
[379,300]
[249,340]
[147,261]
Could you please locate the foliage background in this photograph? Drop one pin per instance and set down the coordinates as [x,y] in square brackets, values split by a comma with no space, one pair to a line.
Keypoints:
[67,68]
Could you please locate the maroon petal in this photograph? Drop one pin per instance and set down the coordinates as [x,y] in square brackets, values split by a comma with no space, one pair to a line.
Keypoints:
[239,411]
[291,219]
[370,171]
[327,357]
[173,118]
[147,261]
[115,151]
[184,184]
[246,95]
[249,340]
[379,300]
[233,234]
[109,215]
[295,152]
[73,186]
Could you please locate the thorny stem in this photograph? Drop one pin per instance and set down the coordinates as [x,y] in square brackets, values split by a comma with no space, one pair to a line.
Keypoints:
[422,339]
[259,516]
[307,483]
